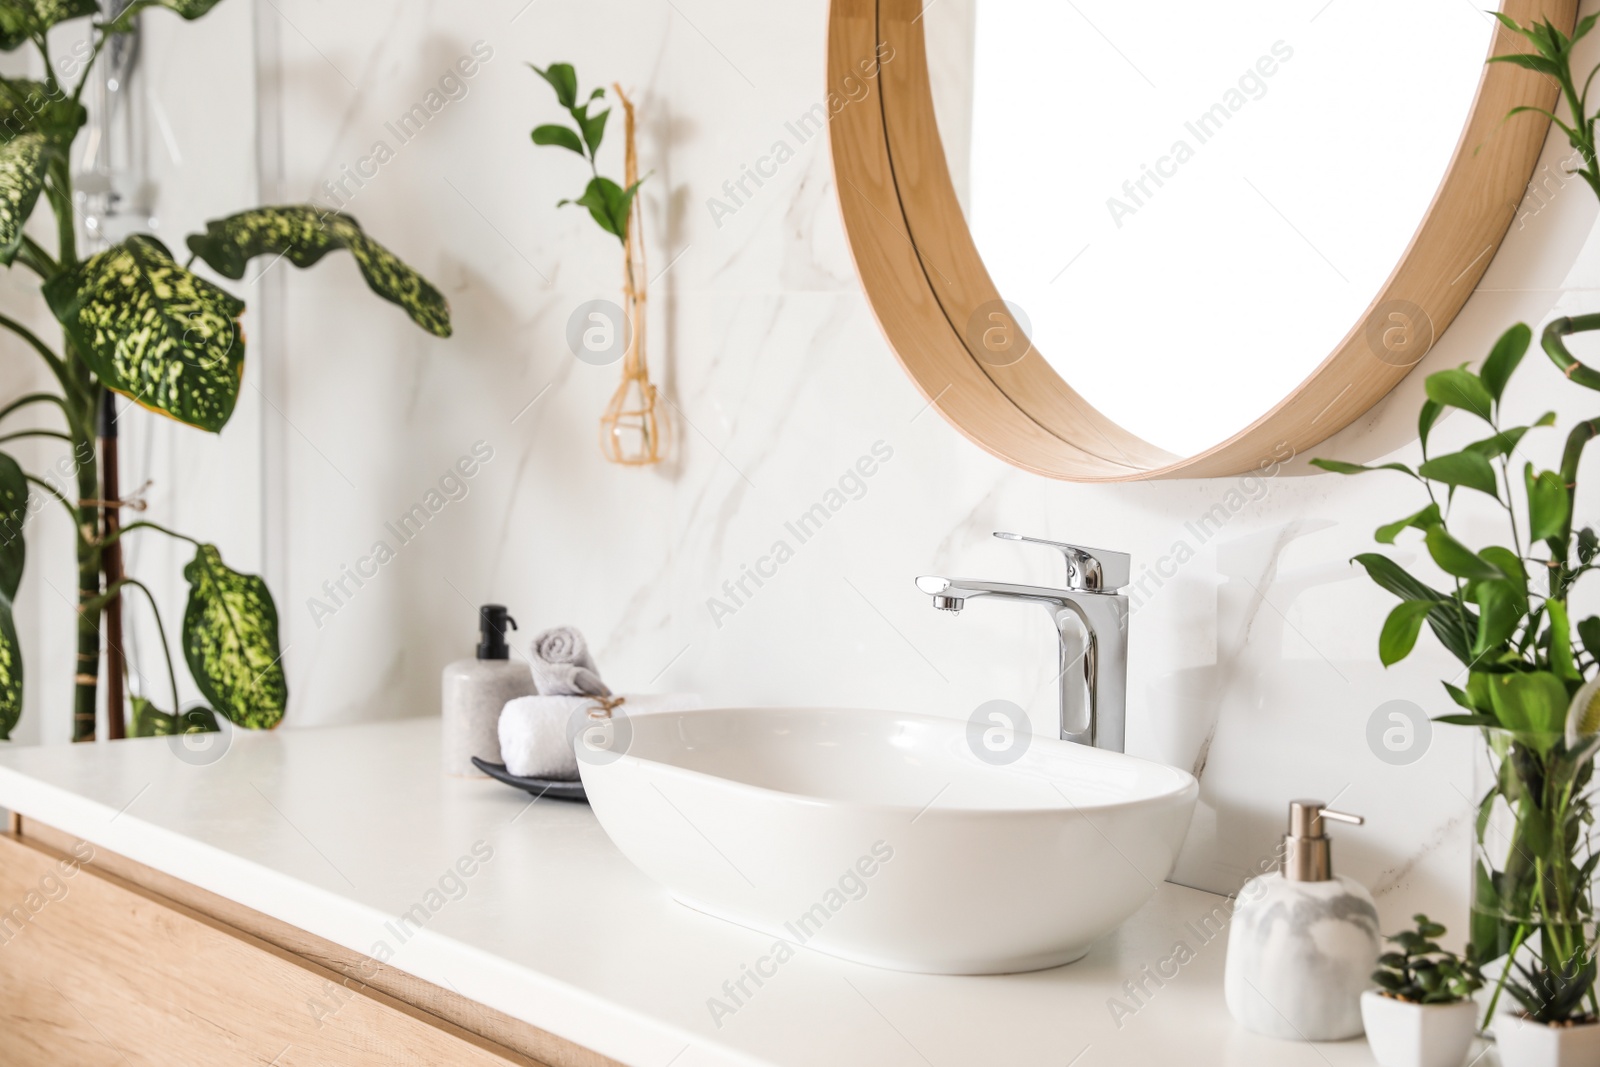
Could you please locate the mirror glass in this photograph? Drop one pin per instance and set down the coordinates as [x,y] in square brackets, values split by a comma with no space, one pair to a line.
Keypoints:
[1188,218]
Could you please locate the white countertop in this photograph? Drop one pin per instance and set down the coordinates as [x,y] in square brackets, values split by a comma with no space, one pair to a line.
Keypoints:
[339,831]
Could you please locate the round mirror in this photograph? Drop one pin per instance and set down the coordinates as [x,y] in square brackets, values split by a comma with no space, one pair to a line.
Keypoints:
[1158,244]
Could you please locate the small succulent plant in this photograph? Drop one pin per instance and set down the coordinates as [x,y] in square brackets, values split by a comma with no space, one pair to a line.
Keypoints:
[1554,995]
[1421,972]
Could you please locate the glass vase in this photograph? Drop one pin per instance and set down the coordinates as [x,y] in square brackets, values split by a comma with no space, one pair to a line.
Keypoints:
[1534,856]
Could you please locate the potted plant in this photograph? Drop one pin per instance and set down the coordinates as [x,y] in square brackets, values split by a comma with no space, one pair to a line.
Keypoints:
[136,322]
[1529,664]
[1555,1027]
[1421,1014]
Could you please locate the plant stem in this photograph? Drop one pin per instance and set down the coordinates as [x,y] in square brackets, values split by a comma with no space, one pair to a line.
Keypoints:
[53,491]
[36,433]
[1499,986]
[36,398]
[33,340]
[99,43]
[36,259]
[143,525]
[161,630]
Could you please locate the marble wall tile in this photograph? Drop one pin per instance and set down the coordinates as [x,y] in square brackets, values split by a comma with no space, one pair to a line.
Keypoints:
[1253,662]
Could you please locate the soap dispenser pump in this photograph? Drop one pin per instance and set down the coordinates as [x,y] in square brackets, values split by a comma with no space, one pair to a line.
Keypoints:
[474,691]
[1303,941]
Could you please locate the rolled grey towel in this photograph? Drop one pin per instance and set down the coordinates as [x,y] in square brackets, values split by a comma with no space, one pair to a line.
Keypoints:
[562,666]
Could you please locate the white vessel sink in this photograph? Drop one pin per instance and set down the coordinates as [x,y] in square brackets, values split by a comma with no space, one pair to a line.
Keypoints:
[880,837]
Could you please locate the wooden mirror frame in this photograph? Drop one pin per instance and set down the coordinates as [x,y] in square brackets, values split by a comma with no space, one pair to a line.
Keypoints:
[925,279]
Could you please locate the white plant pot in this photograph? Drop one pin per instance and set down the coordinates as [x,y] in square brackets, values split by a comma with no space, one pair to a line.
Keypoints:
[1525,1043]
[1403,1034]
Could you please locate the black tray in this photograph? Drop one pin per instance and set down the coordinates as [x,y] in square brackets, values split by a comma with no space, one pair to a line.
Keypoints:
[539,787]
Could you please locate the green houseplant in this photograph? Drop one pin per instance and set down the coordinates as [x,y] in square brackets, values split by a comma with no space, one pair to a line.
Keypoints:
[136,322]
[1504,616]
[1528,666]
[1421,1013]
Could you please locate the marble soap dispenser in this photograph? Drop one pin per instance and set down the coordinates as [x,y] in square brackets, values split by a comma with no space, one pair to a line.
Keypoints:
[474,691]
[1303,942]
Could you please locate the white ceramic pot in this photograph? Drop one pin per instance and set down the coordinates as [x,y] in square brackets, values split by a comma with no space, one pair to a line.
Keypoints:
[1403,1034]
[1525,1043]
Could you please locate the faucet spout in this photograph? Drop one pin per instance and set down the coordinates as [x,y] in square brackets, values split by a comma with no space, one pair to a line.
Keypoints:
[1091,624]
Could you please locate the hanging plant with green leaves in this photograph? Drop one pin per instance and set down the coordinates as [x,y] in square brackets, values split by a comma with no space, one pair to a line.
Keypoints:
[136,322]
[633,431]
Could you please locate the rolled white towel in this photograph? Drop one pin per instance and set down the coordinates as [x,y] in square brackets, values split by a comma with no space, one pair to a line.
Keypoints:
[537,734]
[562,665]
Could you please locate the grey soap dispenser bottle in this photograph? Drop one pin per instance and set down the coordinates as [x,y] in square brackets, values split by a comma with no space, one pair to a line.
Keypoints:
[474,690]
[1303,941]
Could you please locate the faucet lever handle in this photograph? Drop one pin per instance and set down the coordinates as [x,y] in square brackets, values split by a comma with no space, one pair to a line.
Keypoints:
[1094,569]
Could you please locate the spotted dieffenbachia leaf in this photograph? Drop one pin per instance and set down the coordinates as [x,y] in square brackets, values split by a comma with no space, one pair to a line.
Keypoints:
[302,234]
[33,107]
[23,20]
[13,512]
[230,640]
[10,671]
[154,332]
[22,166]
[189,9]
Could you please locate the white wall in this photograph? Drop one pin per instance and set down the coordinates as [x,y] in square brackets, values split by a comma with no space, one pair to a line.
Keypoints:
[1257,660]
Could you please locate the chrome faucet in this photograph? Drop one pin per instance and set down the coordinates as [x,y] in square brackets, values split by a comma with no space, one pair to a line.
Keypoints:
[1091,619]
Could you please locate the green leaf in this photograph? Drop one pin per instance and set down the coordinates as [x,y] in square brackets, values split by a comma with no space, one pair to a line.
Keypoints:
[10,671]
[1426,417]
[1457,559]
[1503,359]
[1549,506]
[594,127]
[1589,634]
[302,234]
[23,20]
[188,9]
[33,107]
[1428,516]
[1468,720]
[1336,466]
[1510,564]
[1460,696]
[563,79]
[1445,622]
[1529,702]
[1548,67]
[1468,469]
[1561,661]
[1588,544]
[22,169]
[230,641]
[1460,389]
[154,332]
[1500,444]
[560,136]
[13,513]
[1400,629]
[1500,609]
[609,204]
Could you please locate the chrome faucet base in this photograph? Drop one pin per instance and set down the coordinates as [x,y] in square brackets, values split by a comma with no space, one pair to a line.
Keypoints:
[1091,620]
